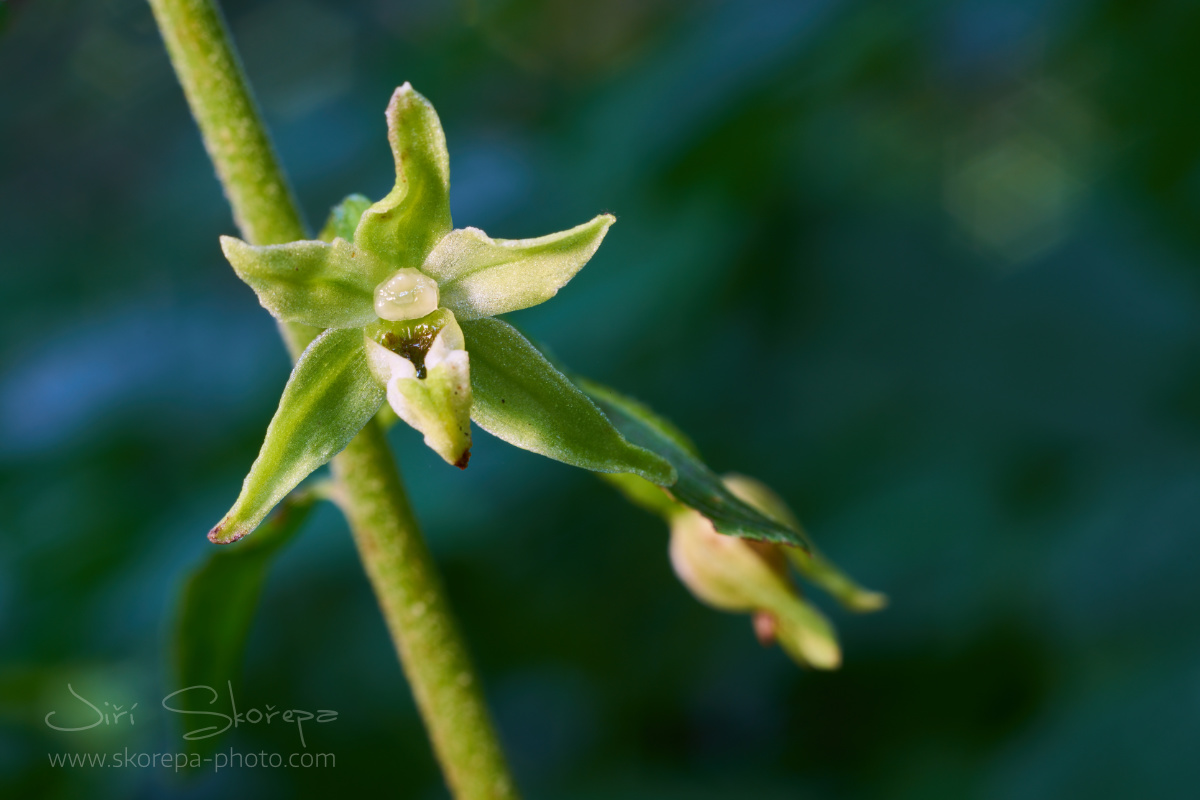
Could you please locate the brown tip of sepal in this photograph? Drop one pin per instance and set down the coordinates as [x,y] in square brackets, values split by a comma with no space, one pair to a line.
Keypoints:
[220,534]
[464,459]
[765,628]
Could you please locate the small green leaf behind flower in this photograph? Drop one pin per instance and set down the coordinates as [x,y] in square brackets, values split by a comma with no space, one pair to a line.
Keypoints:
[344,217]
[216,608]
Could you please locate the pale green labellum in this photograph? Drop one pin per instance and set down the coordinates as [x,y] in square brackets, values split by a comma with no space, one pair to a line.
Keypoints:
[438,404]
[481,277]
[329,397]
[410,220]
[521,398]
[327,285]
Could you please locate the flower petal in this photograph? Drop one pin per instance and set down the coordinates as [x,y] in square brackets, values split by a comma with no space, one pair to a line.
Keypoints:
[482,277]
[405,225]
[329,397]
[327,285]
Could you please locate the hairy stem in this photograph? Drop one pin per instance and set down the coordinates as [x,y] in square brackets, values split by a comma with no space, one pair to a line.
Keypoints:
[396,558]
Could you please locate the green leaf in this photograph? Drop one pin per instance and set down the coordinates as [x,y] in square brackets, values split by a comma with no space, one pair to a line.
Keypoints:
[521,398]
[405,225]
[327,285]
[698,486]
[812,565]
[330,396]
[481,277]
[217,606]
[344,217]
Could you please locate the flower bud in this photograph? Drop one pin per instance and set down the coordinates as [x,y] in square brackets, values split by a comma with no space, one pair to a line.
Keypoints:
[739,575]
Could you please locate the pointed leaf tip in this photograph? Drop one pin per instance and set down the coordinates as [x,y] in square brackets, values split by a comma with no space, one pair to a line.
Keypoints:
[698,486]
[812,564]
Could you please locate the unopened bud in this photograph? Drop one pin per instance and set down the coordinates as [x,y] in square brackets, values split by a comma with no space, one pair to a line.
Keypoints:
[734,574]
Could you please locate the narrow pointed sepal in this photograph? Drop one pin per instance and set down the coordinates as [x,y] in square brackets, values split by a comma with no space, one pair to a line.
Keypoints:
[329,397]
[438,403]
[409,221]
[481,277]
[520,397]
[323,284]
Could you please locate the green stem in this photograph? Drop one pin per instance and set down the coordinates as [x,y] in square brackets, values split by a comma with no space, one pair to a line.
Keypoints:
[396,558]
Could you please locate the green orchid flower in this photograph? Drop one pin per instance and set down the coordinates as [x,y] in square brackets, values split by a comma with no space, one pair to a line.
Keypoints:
[408,307]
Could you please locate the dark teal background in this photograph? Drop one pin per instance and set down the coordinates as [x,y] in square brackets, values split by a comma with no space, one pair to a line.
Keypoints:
[928,269]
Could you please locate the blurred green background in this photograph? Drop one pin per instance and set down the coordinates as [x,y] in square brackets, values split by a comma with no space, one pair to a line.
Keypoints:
[926,268]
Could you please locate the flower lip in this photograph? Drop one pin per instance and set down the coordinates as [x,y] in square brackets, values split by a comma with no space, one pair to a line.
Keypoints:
[412,339]
[406,294]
